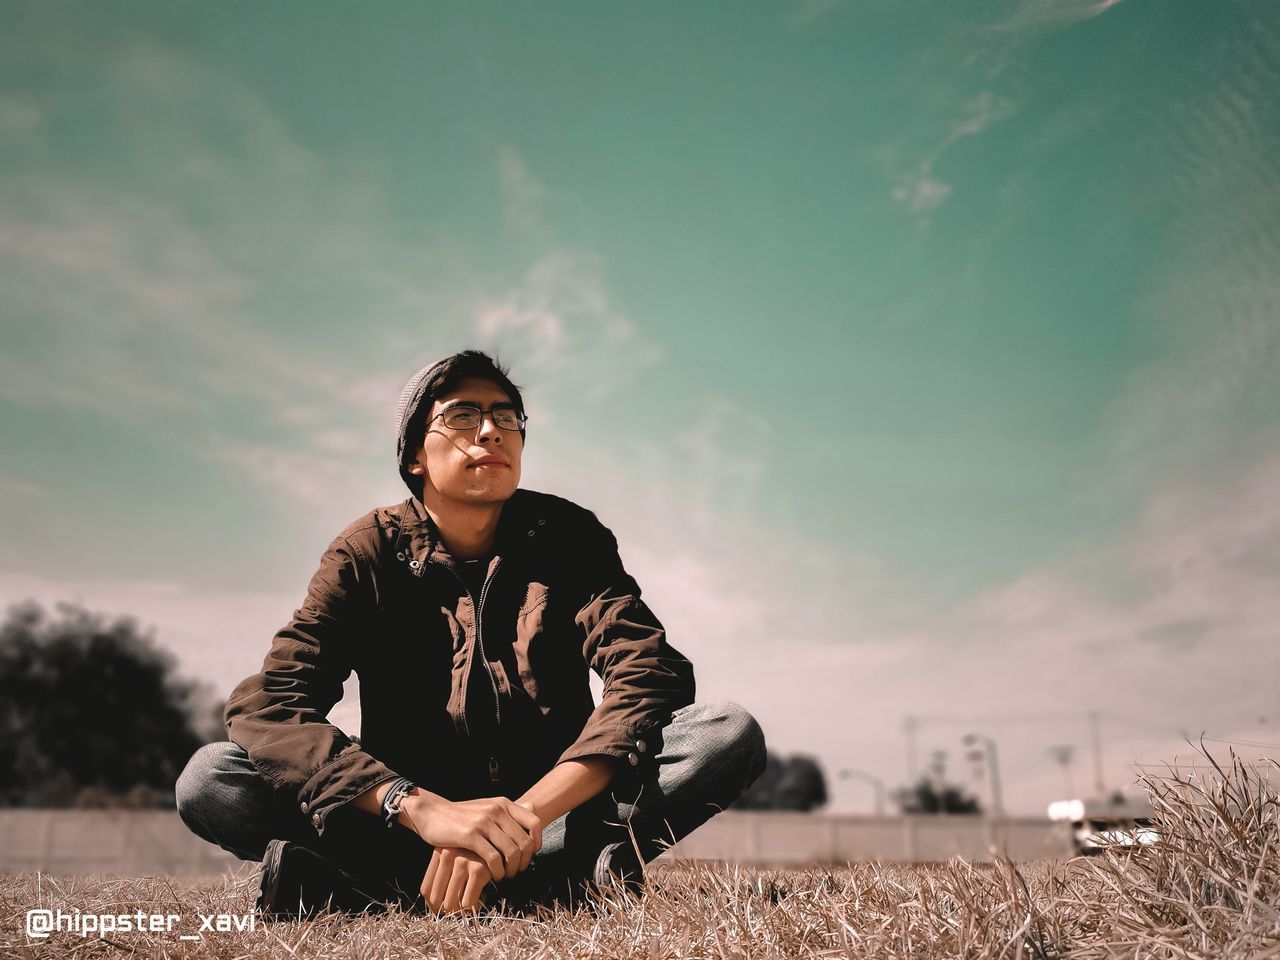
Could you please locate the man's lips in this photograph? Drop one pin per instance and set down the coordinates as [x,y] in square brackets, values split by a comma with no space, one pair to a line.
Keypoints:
[490,462]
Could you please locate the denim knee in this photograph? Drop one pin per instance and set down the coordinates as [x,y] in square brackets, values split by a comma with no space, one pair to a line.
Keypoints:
[744,738]
[200,772]
[736,733]
[222,798]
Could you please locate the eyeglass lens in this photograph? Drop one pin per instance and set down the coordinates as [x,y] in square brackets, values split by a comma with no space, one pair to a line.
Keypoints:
[468,418]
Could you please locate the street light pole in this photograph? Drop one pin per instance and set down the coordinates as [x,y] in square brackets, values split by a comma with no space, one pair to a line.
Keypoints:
[909,727]
[1064,754]
[993,763]
[1096,734]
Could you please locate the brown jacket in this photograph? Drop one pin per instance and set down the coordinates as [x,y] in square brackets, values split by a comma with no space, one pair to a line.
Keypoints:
[466,697]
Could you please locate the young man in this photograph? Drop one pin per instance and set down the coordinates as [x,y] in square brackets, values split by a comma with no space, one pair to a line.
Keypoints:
[471,613]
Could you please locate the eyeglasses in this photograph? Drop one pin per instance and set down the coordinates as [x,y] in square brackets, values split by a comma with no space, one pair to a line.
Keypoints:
[466,416]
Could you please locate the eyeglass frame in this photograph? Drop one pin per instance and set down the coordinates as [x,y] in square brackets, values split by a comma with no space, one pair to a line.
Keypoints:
[464,405]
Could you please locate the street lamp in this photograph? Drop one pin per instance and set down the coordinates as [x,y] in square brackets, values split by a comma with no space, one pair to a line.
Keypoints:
[875,782]
[993,763]
[1064,754]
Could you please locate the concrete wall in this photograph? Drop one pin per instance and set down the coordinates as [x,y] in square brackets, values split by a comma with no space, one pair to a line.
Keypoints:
[123,842]
[757,837]
[135,843]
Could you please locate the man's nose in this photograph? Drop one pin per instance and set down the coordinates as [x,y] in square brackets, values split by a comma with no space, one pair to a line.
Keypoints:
[488,429]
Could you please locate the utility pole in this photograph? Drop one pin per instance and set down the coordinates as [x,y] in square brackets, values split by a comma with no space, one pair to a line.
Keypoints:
[909,726]
[993,770]
[1096,733]
[1064,754]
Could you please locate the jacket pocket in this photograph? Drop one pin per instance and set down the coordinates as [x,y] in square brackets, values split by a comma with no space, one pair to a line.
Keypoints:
[529,642]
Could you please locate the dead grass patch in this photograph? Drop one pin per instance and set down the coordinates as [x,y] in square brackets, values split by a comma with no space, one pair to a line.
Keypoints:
[1208,888]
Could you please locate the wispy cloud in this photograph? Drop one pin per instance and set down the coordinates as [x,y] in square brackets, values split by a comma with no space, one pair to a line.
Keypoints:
[524,196]
[560,317]
[11,486]
[19,117]
[919,188]
[726,448]
[132,313]
[831,650]
[921,192]
[1211,384]
[805,12]
[1034,14]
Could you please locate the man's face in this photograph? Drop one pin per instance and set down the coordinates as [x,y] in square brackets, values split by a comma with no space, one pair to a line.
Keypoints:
[451,461]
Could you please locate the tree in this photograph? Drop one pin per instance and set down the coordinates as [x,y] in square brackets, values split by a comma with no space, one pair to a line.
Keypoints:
[92,711]
[933,794]
[925,796]
[794,783]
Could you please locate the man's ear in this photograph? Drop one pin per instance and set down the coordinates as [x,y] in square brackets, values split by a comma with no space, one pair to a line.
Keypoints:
[417,469]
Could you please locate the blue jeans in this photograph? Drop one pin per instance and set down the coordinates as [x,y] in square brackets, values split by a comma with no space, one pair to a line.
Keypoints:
[711,753]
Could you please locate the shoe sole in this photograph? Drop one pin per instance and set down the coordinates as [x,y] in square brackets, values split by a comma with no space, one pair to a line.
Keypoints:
[270,883]
[603,878]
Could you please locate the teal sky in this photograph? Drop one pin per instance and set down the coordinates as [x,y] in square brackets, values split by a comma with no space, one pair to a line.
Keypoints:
[925,357]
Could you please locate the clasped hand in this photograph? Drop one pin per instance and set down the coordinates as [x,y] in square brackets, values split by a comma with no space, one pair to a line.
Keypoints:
[475,841]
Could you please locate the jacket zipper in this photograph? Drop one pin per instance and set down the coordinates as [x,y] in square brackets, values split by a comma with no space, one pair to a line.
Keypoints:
[494,773]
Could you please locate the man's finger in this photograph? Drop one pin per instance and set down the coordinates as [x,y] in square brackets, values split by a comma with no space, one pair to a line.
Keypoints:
[527,819]
[530,838]
[440,883]
[510,841]
[492,858]
[477,877]
[457,884]
[429,877]
[525,849]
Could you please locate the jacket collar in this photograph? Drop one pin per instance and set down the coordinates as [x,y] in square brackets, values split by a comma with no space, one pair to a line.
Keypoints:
[419,541]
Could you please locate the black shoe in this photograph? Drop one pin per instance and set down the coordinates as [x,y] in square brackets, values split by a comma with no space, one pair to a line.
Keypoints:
[619,866]
[297,882]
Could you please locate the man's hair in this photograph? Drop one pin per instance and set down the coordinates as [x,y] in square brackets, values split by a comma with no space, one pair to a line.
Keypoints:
[430,384]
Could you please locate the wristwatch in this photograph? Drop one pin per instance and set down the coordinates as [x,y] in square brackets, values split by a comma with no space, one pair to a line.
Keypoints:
[394,798]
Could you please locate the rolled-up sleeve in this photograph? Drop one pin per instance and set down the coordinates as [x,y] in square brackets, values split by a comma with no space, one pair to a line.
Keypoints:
[645,678]
[279,714]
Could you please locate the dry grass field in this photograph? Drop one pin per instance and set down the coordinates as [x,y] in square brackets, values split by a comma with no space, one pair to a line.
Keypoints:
[1209,888]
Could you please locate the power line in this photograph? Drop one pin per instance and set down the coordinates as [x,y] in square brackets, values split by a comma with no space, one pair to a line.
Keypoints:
[1000,717]
[1245,743]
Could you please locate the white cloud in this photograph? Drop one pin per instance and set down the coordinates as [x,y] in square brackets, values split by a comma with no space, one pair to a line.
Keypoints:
[524,194]
[805,12]
[315,479]
[921,192]
[11,486]
[19,118]
[919,189]
[526,320]
[1162,630]
[979,113]
[726,449]
[1033,14]
[563,324]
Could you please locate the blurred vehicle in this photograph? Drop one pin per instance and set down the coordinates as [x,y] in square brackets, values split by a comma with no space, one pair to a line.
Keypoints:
[1102,822]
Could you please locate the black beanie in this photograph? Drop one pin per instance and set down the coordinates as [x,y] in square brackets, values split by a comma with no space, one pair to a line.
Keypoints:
[409,414]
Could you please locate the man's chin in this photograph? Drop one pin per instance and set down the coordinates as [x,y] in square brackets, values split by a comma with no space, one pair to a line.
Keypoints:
[489,494]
